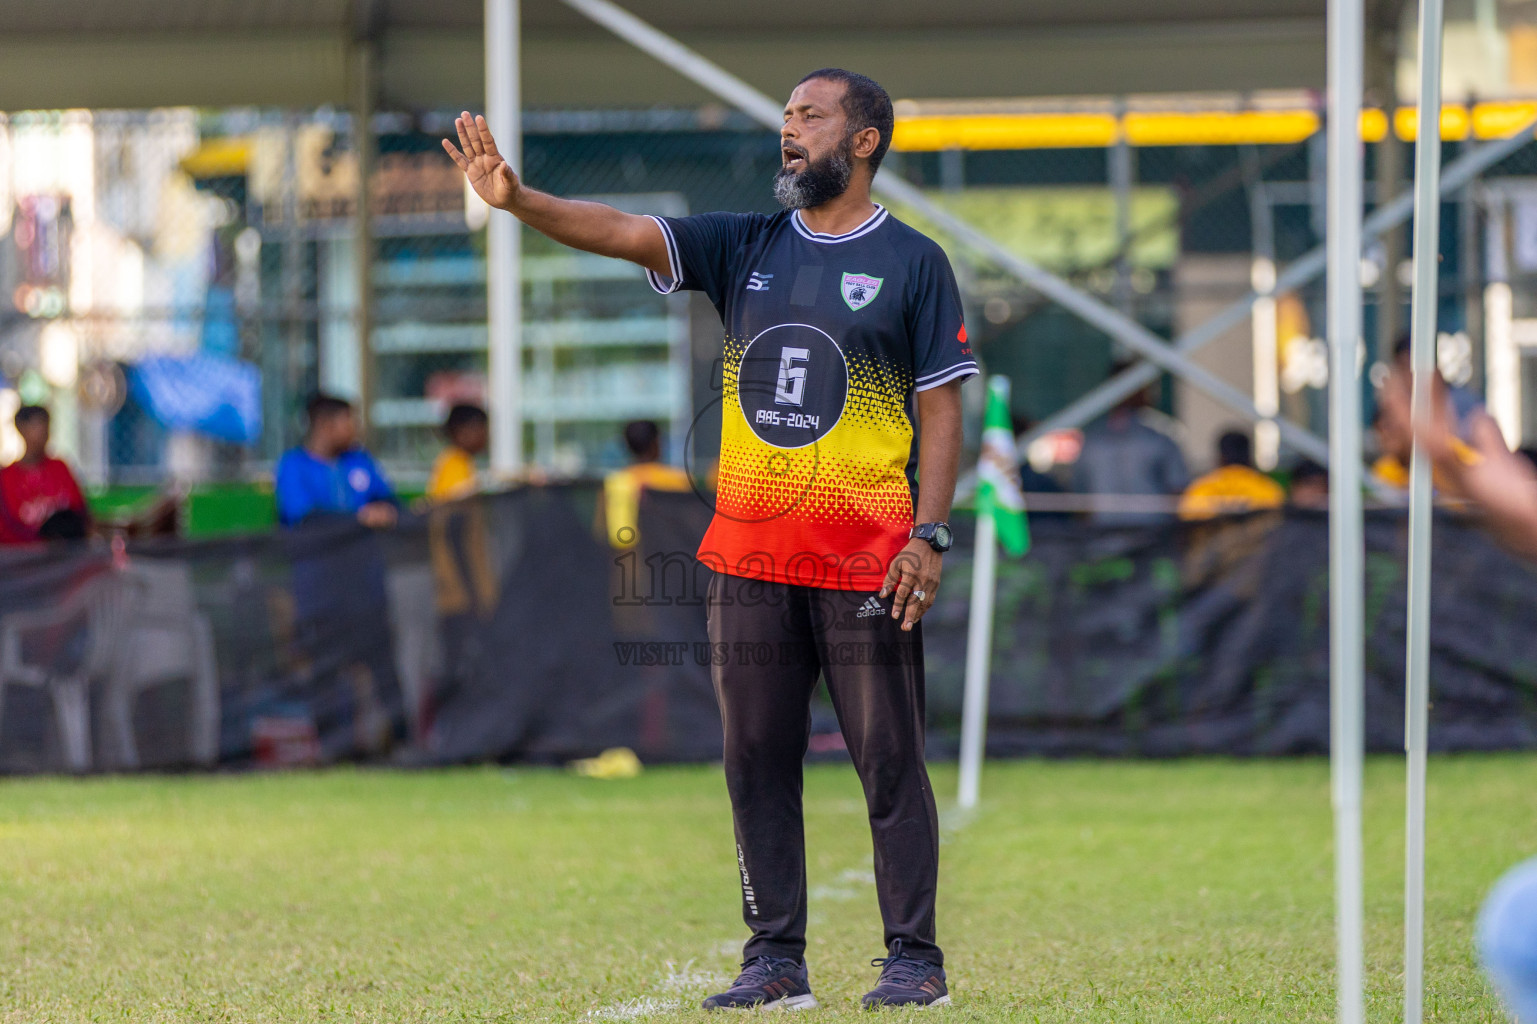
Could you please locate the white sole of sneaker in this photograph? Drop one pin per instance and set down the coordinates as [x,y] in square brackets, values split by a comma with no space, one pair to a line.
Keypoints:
[805,1002]
[941,1001]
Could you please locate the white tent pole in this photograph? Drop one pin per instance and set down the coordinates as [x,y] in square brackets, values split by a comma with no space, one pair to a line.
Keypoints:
[979,657]
[365,94]
[504,270]
[1346,544]
[1087,308]
[1427,225]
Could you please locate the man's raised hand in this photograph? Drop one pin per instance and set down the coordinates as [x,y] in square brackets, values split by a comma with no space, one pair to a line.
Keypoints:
[478,158]
[590,227]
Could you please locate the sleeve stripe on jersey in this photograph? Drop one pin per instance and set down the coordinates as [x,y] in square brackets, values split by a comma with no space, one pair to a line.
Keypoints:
[925,378]
[934,380]
[662,284]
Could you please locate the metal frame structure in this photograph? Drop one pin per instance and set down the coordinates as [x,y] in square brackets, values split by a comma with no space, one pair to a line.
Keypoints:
[1456,176]
[1509,340]
[1267,385]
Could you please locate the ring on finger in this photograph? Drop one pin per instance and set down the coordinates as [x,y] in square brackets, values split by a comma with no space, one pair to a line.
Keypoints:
[920,595]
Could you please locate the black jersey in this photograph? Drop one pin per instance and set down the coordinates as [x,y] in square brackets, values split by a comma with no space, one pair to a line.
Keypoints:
[827,339]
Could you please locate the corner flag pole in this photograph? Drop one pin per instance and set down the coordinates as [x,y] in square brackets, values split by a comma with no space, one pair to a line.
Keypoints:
[1427,224]
[1346,35]
[1000,521]
[979,649]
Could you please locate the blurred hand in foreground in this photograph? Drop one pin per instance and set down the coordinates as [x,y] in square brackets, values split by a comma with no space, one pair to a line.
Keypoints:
[1485,472]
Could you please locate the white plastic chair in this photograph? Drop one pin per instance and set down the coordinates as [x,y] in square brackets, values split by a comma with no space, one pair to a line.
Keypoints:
[101,604]
[167,639]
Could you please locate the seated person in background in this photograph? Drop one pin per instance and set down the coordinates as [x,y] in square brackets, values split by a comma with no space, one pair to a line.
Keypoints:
[621,488]
[468,431]
[1234,486]
[39,496]
[1391,465]
[458,536]
[1309,486]
[331,473]
[1032,480]
[1125,456]
[1465,403]
[1394,437]
[1497,482]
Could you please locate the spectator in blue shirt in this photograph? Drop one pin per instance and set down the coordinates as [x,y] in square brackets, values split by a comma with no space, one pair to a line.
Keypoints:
[341,602]
[331,473]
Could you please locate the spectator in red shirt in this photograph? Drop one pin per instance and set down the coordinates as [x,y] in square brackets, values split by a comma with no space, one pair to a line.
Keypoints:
[39,498]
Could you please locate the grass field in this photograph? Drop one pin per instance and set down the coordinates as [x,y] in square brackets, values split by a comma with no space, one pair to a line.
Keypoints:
[1083,891]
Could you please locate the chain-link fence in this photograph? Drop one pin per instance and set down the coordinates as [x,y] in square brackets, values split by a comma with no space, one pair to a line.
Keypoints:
[177,282]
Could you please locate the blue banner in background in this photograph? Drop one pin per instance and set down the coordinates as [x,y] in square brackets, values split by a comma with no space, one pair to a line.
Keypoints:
[210,394]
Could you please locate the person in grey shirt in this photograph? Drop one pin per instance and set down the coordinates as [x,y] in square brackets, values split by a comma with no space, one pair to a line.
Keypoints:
[1123,455]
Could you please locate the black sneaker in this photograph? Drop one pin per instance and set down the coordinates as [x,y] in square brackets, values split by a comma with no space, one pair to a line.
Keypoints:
[907,981]
[767,983]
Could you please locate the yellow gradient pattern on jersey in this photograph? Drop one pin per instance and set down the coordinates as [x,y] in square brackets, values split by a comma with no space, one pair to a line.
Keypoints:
[853,476]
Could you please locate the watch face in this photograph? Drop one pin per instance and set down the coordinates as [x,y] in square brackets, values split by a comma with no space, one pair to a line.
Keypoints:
[942,536]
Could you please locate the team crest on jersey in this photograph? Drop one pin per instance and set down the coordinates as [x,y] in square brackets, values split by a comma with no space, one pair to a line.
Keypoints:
[859,290]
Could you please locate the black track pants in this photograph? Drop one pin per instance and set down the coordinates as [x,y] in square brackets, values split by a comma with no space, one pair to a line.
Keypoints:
[771,640]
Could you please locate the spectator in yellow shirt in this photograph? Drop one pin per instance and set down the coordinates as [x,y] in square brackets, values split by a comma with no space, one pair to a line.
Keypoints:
[1234,486]
[458,540]
[454,475]
[1395,436]
[621,488]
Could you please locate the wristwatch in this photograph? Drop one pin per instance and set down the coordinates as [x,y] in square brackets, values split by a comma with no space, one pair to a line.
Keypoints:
[937,534]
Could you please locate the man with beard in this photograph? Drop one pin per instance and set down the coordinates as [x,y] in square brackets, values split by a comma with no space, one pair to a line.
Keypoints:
[843,327]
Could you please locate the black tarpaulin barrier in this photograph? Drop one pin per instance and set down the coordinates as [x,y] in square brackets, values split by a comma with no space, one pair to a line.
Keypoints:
[507,628]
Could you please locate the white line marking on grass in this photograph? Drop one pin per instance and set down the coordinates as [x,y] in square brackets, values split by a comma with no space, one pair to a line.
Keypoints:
[690,979]
[842,892]
[631,1009]
[687,979]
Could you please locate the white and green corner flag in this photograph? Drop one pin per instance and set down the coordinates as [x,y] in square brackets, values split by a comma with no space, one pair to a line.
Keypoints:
[1000,521]
[998,489]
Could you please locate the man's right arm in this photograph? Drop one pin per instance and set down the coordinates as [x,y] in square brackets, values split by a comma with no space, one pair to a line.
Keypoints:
[593,227]
[590,227]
